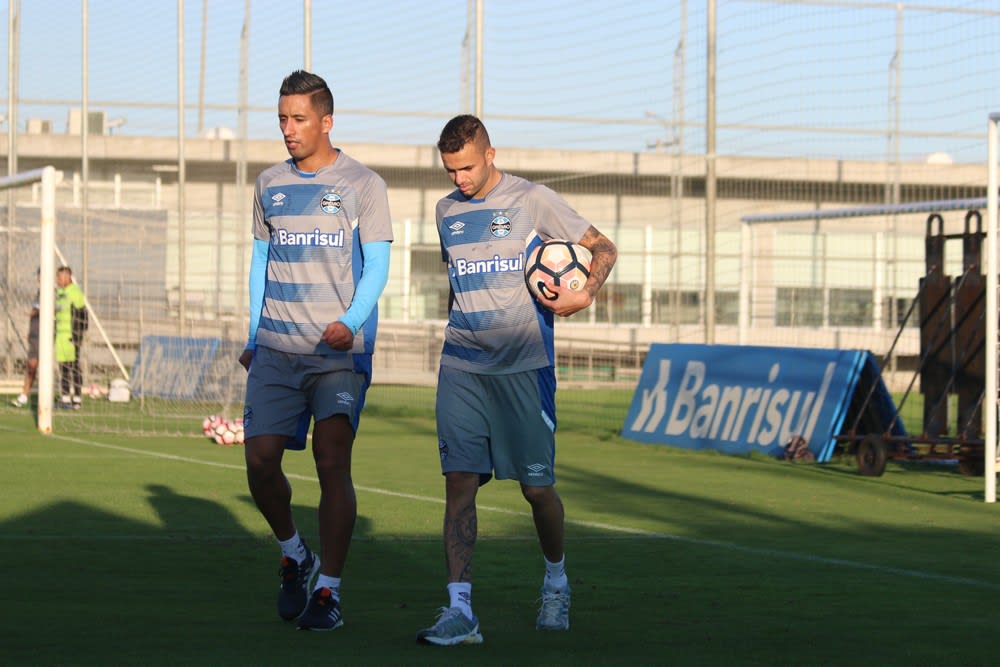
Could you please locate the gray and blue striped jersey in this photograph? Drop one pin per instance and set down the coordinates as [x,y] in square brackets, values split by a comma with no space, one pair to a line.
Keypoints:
[315,225]
[495,325]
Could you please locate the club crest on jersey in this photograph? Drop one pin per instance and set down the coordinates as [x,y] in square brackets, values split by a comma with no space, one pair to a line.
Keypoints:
[331,202]
[500,226]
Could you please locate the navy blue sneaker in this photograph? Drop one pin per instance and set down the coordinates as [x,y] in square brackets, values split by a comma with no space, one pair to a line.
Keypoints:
[323,612]
[295,582]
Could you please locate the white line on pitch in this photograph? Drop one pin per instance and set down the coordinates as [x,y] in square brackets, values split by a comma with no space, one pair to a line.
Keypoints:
[631,532]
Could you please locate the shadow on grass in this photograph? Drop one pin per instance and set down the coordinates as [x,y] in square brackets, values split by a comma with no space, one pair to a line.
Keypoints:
[176,574]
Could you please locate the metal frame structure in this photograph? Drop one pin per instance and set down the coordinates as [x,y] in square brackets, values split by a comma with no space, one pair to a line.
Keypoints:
[991,453]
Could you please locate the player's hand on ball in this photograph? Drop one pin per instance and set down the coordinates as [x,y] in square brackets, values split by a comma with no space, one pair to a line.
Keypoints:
[567,301]
[338,336]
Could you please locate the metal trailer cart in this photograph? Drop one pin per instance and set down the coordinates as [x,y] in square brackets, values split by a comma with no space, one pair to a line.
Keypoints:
[951,367]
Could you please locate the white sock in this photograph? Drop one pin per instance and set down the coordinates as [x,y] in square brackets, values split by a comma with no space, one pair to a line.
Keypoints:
[293,548]
[333,583]
[555,575]
[460,593]
[22,399]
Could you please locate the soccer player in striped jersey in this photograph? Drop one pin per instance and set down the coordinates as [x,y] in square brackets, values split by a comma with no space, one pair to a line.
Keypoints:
[322,231]
[496,385]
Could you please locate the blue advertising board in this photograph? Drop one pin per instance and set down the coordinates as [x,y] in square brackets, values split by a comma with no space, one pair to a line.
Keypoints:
[738,399]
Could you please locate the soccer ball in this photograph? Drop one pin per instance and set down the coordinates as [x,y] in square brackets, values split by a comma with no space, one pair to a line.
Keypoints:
[223,431]
[556,262]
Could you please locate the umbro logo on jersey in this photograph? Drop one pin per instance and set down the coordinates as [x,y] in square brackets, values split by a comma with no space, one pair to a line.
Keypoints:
[457,227]
[536,469]
[278,199]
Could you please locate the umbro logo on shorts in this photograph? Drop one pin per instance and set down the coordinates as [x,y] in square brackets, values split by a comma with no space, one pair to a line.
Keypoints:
[536,469]
[345,398]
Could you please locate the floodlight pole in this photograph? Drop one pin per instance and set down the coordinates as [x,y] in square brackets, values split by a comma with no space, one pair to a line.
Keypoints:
[710,179]
[479,59]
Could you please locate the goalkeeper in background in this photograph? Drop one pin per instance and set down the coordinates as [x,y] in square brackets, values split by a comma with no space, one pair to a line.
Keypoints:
[322,231]
[71,319]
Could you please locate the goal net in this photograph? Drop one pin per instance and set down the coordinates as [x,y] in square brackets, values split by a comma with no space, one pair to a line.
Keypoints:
[150,362]
[25,289]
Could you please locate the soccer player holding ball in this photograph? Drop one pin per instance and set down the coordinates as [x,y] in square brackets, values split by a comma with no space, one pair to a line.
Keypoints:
[496,385]
[322,231]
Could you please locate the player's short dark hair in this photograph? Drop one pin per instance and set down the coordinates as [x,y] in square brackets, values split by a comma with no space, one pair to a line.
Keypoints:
[461,130]
[301,82]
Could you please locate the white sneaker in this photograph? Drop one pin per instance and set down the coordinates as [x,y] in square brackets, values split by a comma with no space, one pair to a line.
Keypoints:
[554,612]
[452,627]
[20,401]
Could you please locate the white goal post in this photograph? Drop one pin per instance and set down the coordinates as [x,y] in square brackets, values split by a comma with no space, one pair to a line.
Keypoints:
[48,177]
[992,340]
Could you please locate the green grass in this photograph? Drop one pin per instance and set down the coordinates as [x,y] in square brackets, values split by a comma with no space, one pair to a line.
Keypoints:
[125,550]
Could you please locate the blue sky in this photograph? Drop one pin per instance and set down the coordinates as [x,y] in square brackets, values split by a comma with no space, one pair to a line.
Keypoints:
[804,79]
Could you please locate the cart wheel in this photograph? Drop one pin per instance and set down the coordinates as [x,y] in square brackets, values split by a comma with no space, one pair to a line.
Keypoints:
[871,455]
[971,468]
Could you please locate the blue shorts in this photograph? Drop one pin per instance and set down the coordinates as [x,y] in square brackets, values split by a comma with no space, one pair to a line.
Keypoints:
[33,339]
[499,425]
[285,390]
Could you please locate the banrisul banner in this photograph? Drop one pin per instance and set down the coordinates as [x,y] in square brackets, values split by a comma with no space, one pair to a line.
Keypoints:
[738,399]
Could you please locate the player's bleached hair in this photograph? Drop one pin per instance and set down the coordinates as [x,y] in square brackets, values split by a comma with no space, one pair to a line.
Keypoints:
[461,130]
[301,82]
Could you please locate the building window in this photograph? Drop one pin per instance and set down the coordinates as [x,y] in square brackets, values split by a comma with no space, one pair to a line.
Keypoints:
[851,307]
[676,307]
[429,284]
[902,308]
[799,307]
[616,303]
[727,307]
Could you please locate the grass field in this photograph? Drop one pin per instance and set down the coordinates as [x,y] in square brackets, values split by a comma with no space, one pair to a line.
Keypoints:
[148,551]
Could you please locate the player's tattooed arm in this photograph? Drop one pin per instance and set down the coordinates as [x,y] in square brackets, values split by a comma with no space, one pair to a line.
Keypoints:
[604,256]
